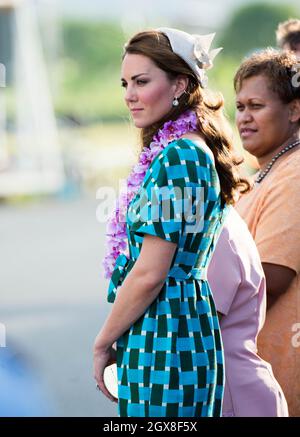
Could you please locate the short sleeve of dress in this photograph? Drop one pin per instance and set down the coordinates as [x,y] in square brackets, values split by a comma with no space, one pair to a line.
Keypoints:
[278,234]
[171,196]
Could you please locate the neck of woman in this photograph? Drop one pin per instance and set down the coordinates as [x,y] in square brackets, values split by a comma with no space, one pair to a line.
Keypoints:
[264,160]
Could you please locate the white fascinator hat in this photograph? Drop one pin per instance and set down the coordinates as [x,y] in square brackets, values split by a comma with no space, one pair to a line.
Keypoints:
[193,49]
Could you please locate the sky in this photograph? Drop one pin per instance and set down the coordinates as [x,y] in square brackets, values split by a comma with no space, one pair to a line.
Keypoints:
[202,13]
[205,14]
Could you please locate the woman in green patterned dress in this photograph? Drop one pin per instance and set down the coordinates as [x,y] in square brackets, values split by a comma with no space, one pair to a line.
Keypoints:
[169,352]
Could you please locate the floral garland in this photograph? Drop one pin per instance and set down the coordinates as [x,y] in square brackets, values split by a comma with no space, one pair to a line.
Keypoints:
[116,242]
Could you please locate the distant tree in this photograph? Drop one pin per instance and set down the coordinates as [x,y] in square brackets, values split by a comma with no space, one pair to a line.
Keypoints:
[253,27]
[93,46]
[89,71]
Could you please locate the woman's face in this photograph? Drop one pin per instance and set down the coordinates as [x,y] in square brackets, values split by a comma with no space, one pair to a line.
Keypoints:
[149,92]
[261,117]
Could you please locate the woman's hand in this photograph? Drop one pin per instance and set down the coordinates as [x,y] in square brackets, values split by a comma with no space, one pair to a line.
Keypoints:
[103,357]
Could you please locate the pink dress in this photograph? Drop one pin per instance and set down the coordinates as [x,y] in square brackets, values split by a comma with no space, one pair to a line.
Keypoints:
[237,281]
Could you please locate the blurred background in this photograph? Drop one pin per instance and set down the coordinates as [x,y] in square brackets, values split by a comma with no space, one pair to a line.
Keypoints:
[65,132]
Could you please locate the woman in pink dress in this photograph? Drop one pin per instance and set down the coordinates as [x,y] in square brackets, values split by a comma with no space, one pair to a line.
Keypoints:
[237,281]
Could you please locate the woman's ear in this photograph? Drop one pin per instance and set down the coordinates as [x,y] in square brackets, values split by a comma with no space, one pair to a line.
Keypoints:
[294,113]
[182,82]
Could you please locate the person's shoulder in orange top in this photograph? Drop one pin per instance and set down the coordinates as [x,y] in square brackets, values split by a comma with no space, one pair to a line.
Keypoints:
[272,212]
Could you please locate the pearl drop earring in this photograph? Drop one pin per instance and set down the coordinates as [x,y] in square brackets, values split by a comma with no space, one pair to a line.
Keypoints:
[175,102]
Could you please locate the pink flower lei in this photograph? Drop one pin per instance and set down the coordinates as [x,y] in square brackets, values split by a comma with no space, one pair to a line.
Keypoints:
[116,242]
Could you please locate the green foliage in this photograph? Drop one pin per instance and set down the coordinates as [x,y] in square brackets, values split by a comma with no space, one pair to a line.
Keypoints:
[90,71]
[93,46]
[90,68]
[221,80]
[253,27]
[96,98]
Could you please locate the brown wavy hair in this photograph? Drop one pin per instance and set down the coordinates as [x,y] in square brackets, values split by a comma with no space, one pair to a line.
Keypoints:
[212,123]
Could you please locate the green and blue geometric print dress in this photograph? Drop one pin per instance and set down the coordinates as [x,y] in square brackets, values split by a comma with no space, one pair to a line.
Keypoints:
[170,362]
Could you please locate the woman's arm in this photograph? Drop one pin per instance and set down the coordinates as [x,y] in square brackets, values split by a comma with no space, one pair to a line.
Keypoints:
[278,280]
[139,289]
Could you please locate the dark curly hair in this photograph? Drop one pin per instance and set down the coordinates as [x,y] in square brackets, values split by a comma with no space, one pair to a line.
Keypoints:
[278,67]
[288,34]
